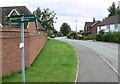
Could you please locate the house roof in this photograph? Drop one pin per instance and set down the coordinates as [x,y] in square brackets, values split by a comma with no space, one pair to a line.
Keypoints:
[7,11]
[96,22]
[88,24]
[20,9]
[110,20]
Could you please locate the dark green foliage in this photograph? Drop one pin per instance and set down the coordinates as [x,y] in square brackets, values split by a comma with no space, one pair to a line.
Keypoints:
[99,37]
[47,19]
[109,37]
[89,37]
[79,37]
[65,29]
[113,10]
[106,37]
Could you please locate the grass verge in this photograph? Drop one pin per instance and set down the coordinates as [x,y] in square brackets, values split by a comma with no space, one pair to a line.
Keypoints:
[57,62]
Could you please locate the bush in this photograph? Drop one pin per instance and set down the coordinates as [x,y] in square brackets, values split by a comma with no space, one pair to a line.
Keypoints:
[116,37]
[79,37]
[72,35]
[109,37]
[98,37]
[89,37]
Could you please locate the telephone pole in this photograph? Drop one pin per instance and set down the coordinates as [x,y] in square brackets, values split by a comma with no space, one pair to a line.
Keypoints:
[76,25]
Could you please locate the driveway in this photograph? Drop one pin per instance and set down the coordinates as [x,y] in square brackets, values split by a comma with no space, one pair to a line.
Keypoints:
[92,68]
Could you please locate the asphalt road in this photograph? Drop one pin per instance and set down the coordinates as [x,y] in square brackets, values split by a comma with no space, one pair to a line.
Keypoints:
[92,68]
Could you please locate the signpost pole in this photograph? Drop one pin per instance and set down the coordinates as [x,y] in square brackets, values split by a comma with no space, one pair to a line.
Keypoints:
[22,49]
[22,19]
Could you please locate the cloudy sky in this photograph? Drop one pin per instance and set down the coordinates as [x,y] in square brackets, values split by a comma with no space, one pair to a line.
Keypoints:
[68,10]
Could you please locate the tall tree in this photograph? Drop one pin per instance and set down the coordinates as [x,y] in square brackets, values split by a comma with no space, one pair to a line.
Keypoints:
[65,29]
[46,18]
[118,10]
[113,10]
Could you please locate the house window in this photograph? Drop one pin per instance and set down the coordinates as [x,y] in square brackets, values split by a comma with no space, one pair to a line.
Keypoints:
[99,27]
[116,26]
[108,27]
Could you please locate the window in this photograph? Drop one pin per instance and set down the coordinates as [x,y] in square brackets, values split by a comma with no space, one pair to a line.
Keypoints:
[108,27]
[116,26]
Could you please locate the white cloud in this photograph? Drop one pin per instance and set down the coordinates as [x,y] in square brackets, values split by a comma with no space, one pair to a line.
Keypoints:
[68,10]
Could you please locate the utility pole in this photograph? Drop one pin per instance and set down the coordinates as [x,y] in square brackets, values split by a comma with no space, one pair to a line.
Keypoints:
[76,25]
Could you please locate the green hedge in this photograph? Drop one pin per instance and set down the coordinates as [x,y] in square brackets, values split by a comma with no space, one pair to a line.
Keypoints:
[109,37]
[89,37]
[98,37]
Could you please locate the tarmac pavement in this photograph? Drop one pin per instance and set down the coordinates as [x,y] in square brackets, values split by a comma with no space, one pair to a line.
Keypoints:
[92,68]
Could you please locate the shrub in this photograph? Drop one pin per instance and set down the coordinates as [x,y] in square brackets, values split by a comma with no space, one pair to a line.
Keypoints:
[109,37]
[74,35]
[99,37]
[116,37]
[89,37]
[71,35]
[79,37]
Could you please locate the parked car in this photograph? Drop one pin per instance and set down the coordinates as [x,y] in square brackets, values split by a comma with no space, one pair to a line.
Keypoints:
[52,36]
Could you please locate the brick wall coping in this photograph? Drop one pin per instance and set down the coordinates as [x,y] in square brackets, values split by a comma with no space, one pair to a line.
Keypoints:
[8,29]
[26,31]
[34,34]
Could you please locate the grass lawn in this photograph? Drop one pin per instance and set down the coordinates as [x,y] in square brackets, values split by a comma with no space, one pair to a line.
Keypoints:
[57,62]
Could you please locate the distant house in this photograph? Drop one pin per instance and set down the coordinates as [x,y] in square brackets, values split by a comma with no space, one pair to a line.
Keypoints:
[90,28]
[12,10]
[109,24]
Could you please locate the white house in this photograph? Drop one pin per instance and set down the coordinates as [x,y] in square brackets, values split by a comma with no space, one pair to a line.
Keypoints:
[110,24]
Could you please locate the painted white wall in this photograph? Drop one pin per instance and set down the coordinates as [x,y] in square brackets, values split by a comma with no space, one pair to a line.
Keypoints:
[107,28]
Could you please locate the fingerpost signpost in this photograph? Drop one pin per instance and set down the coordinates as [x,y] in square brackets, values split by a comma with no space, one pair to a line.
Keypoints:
[22,19]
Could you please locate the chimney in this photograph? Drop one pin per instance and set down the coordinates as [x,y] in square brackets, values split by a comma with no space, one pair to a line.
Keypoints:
[93,19]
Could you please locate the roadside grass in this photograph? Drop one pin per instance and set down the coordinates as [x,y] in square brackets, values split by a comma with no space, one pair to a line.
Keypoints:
[57,62]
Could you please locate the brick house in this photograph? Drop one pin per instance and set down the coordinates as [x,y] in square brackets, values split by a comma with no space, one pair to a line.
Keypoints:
[10,53]
[12,10]
[90,28]
[109,24]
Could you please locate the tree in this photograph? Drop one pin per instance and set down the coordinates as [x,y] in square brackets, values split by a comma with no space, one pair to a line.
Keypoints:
[113,10]
[118,10]
[46,18]
[65,29]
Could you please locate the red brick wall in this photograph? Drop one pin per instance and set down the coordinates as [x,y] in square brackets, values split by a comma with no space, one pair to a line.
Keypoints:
[35,45]
[11,53]
[32,27]
[36,41]
[94,30]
